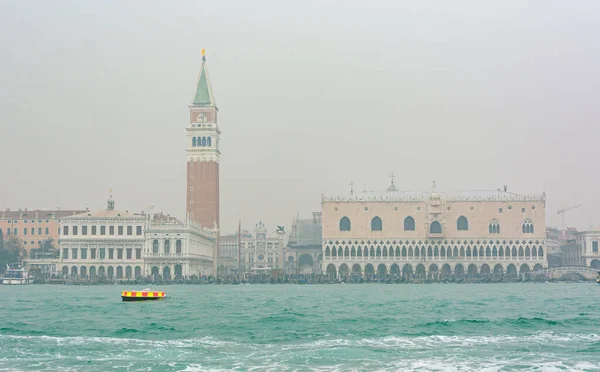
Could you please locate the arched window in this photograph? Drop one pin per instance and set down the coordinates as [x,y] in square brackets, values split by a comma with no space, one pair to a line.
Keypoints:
[167,246]
[527,227]
[409,224]
[193,141]
[462,223]
[494,227]
[435,228]
[203,141]
[376,224]
[345,224]
[178,246]
[208,141]
[155,246]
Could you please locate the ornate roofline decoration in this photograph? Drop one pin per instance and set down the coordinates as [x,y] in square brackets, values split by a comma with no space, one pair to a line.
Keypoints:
[422,197]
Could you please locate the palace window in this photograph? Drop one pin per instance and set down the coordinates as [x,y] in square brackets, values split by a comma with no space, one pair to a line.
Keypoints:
[138,230]
[84,230]
[494,227]
[203,141]
[345,224]
[94,230]
[65,253]
[527,227]
[595,246]
[75,230]
[129,253]
[194,142]
[74,253]
[120,230]
[111,230]
[178,247]
[102,230]
[111,253]
[84,253]
[167,246]
[462,223]
[155,246]
[47,231]
[409,224]
[376,224]
[119,253]
[435,228]
[93,253]
[102,253]
[138,254]
[129,230]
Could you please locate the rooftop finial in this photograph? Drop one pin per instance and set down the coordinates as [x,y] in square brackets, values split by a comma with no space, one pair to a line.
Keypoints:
[110,204]
[203,54]
[392,186]
[351,184]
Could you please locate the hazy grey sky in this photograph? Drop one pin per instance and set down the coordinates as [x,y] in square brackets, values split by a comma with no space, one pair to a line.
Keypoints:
[312,95]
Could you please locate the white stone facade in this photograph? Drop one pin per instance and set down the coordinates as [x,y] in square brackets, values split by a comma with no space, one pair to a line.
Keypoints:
[433,234]
[106,243]
[589,242]
[178,250]
[260,253]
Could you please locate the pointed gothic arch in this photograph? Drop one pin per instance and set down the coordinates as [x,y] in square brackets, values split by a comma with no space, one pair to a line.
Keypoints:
[376,224]
[345,224]
[462,224]
[409,224]
[435,228]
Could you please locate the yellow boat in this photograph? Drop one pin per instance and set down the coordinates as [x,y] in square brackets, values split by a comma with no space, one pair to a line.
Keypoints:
[143,295]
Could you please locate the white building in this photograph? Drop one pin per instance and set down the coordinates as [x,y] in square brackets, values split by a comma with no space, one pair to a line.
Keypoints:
[107,243]
[260,253]
[174,249]
[588,242]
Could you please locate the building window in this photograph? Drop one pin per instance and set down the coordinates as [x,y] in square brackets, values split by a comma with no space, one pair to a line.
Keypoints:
[111,253]
[345,224]
[129,253]
[74,253]
[462,223]
[94,230]
[15,231]
[409,224]
[499,210]
[527,227]
[155,246]
[102,230]
[138,254]
[111,230]
[84,253]
[120,253]
[102,253]
[39,231]
[129,230]
[25,231]
[93,253]
[75,230]
[65,255]
[8,231]
[523,210]
[167,246]
[193,141]
[203,141]
[178,246]
[33,231]
[47,231]
[595,246]
[120,230]
[24,221]
[138,230]
[376,224]
[208,142]
[435,228]
[494,227]
[84,230]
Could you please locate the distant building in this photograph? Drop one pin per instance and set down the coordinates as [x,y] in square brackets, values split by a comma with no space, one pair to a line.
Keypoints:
[562,247]
[304,249]
[588,241]
[107,243]
[33,227]
[260,253]
[432,234]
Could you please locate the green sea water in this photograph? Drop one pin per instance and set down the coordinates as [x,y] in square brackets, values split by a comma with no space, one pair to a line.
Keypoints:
[365,327]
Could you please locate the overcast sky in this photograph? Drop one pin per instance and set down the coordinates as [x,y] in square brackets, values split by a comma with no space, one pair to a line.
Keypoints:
[312,95]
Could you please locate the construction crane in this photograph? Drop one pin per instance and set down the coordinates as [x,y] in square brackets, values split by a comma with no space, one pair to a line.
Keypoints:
[562,212]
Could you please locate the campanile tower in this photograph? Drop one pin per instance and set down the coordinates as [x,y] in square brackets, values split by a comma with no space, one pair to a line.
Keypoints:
[203,153]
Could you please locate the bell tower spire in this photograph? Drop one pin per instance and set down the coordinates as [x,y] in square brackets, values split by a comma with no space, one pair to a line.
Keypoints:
[203,152]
